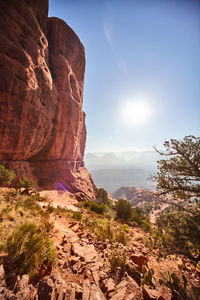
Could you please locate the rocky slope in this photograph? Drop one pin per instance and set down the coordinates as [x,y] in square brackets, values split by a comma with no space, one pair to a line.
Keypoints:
[84,269]
[42,131]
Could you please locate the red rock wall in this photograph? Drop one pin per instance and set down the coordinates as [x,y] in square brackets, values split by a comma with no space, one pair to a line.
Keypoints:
[42,124]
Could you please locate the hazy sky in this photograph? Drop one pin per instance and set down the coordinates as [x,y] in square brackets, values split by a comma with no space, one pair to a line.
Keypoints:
[142,81]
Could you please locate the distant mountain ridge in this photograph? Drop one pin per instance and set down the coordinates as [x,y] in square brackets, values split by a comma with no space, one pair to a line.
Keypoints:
[146,160]
[111,170]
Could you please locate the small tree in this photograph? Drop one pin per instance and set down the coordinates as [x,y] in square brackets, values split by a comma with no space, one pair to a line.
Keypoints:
[124,210]
[102,197]
[6,176]
[179,173]
[179,176]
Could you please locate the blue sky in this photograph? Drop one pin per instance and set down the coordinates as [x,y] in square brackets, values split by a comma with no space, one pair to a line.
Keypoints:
[142,81]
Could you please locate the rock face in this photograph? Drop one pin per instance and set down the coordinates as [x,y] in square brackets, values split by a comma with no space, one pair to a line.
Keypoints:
[42,124]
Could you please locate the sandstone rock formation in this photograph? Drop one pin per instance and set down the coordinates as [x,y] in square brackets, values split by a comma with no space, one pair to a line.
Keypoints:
[42,124]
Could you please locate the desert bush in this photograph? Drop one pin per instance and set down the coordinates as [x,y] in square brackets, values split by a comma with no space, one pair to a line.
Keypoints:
[97,208]
[179,232]
[116,257]
[123,210]
[30,251]
[6,176]
[77,215]
[140,219]
[121,237]
[26,186]
[102,197]
[105,232]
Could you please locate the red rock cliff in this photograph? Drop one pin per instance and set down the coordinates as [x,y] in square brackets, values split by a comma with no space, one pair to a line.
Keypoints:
[42,124]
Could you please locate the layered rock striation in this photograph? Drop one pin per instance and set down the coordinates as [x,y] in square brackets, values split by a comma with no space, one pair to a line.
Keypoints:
[42,124]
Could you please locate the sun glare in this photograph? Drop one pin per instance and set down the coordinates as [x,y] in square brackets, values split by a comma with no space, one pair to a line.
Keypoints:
[136,112]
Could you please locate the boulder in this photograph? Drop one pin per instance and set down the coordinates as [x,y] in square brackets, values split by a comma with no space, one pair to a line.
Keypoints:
[150,294]
[139,259]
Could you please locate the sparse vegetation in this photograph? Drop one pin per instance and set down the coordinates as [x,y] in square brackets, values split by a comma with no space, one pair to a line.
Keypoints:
[179,232]
[116,257]
[30,251]
[6,176]
[177,285]
[97,208]
[179,176]
[26,186]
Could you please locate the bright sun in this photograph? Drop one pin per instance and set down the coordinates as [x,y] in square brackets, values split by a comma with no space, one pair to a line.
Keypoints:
[135,112]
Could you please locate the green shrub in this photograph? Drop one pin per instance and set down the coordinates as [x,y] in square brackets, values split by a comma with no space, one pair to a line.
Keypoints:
[180,232]
[102,197]
[123,210]
[105,232]
[116,257]
[146,226]
[77,215]
[30,251]
[6,176]
[97,208]
[26,186]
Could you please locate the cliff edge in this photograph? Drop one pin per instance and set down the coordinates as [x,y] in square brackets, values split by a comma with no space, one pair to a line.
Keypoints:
[42,123]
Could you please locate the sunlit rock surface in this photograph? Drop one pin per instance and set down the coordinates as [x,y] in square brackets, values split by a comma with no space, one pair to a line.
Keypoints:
[42,124]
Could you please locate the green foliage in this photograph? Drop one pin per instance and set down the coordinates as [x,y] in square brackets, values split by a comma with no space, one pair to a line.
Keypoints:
[26,186]
[105,232]
[126,228]
[6,176]
[102,197]
[180,232]
[179,173]
[97,208]
[142,220]
[77,215]
[116,257]
[177,286]
[123,210]
[30,251]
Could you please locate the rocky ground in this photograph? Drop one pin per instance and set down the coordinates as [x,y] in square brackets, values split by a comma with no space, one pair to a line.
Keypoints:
[83,270]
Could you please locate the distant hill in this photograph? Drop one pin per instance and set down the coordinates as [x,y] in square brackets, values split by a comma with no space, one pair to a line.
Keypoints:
[111,179]
[146,160]
[111,170]
[134,195]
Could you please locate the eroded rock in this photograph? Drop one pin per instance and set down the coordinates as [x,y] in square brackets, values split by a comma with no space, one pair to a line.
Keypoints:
[42,132]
